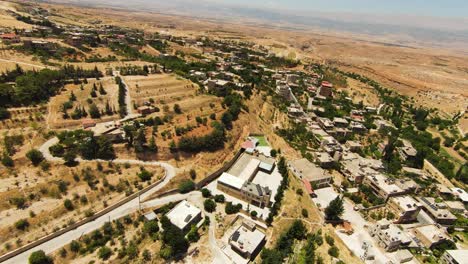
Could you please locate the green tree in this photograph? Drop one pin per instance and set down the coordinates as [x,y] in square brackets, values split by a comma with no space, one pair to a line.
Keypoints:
[68,204]
[205,192]
[177,109]
[39,257]
[104,253]
[209,205]
[334,210]
[186,186]
[94,111]
[35,156]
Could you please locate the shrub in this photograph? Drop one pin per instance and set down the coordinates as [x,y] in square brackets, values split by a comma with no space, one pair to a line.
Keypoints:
[193,174]
[253,214]
[145,175]
[209,205]
[305,213]
[330,240]
[186,186]
[68,204]
[39,257]
[104,253]
[22,224]
[232,209]
[219,198]
[35,156]
[75,246]
[206,193]
[151,227]
[334,251]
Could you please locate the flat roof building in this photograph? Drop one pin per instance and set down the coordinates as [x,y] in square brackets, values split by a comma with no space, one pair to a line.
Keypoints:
[184,215]
[304,169]
[389,236]
[405,207]
[430,235]
[458,256]
[437,211]
[382,186]
[247,240]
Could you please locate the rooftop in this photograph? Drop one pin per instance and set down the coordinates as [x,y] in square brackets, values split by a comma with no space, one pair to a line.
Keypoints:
[246,239]
[308,170]
[231,180]
[182,214]
[459,255]
[407,203]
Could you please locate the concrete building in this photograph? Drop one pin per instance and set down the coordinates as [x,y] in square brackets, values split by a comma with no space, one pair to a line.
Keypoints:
[382,186]
[326,90]
[217,85]
[325,123]
[357,128]
[247,240]
[244,190]
[430,235]
[304,169]
[283,90]
[340,122]
[323,159]
[353,146]
[437,211]
[405,208]
[407,151]
[389,236]
[184,215]
[459,256]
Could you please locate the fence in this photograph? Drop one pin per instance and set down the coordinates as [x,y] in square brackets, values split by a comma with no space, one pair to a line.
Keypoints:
[220,171]
[79,223]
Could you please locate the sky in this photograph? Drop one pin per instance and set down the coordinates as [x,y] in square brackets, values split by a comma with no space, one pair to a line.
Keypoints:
[437,8]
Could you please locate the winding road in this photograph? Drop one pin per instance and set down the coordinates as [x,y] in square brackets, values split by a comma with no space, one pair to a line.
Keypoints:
[123,210]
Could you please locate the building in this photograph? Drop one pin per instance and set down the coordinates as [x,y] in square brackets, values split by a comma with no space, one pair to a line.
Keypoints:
[10,38]
[389,236]
[430,235]
[283,90]
[407,151]
[218,85]
[340,122]
[460,194]
[325,123]
[240,188]
[353,146]
[405,207]
[437,211]
[458,256]
[456,207]
[184,215]
[357,128]
[326,89]
[247,240]
[383,186]
[87,123]
[145,110]
[324,160]
[304,169]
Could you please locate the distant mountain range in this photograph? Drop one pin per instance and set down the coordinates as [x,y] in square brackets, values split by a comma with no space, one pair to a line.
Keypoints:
[402,29]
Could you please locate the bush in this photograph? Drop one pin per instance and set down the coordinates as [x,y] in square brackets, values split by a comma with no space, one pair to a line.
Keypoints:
[186,186]
[7,161]
[68,204]
[22,224]
[35,156]
[209,205]
[334,251]
[104,253]
[145,175]
[219,198]
[151,227]
[193,174]
[206,193]
[305,213]
[330,240]
[232,209]
[39,257]
[253,214]
[75,246]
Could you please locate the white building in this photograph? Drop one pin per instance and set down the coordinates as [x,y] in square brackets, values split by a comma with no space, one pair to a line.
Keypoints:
[184,215]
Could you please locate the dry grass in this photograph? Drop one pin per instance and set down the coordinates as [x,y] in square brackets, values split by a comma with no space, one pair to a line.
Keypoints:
[56,120]
[47,203]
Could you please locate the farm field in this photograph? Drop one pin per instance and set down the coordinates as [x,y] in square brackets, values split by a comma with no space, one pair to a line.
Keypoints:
[162,88]
[84,100]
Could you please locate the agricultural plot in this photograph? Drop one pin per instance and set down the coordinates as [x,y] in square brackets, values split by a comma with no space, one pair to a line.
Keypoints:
[76,97]
[163,88]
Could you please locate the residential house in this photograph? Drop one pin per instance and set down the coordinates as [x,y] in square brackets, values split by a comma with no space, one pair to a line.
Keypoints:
[184,215]
[437,211]
[457,256]
[304,169]
[389,236]
[430,235]
[406,208]
[247,240]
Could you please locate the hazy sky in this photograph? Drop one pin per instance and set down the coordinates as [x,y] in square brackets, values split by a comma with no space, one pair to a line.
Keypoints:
[444,8]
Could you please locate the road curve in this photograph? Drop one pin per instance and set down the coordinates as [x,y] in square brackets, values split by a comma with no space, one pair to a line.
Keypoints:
[119,212]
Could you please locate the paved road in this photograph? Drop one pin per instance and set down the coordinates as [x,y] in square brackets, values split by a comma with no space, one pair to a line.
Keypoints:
[119,212]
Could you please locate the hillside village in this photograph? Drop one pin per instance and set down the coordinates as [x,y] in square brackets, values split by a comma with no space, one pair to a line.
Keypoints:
[206,149]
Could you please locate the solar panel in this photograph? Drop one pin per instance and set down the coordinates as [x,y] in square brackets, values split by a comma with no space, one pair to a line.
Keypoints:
[235,236]
[187,218]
